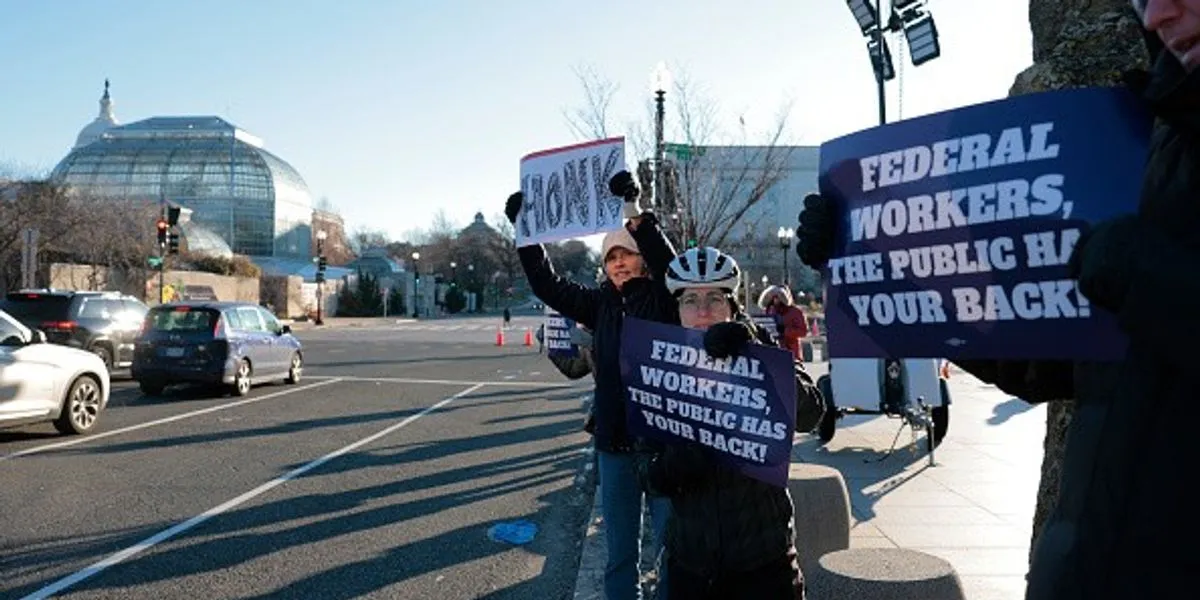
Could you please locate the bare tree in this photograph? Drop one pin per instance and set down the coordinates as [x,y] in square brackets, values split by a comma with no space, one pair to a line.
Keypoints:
[716,176]
[590,121]
[365,239]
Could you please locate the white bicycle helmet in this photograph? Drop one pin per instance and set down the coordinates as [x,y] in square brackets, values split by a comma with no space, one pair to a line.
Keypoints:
[703,267]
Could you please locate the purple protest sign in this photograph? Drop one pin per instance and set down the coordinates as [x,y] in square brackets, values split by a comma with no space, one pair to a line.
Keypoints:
[955,229]
[743,408]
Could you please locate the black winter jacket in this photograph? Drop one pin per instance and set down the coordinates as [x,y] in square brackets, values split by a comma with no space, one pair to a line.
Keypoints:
[727,522]
[1124,525]
[603,311]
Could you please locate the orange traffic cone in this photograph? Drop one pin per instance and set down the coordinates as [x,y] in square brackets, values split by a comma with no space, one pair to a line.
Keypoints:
[528,336]
[499,336]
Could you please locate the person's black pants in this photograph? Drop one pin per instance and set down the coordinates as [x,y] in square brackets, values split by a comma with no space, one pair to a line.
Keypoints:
[777,581]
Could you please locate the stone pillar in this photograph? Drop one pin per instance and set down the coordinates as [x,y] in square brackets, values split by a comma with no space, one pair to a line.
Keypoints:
[1076,43]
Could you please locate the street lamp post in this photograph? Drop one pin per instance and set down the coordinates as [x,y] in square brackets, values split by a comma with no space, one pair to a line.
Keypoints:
[785,243]
[416,257]
[453,272]
[662,79]
[321,235]
[473,288]
[914,19]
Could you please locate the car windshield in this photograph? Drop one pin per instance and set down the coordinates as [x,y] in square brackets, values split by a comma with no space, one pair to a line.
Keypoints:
[182,319]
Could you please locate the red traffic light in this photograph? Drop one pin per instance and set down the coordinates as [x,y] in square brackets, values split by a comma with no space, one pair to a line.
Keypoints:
[162,223]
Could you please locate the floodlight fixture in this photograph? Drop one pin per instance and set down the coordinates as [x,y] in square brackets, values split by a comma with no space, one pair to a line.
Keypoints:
[865,14]
[887,70]
[922,36]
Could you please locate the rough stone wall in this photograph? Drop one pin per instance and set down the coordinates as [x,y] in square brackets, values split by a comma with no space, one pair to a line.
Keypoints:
[1076,43]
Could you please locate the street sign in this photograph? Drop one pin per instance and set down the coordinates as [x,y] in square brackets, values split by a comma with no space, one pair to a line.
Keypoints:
[684,151]
[29,260]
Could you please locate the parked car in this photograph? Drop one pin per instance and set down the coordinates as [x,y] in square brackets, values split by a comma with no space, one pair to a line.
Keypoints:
[103,323]
[42,382]
[227,344]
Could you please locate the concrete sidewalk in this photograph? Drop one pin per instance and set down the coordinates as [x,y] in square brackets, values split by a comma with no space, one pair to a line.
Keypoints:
[974,507]
[341,322]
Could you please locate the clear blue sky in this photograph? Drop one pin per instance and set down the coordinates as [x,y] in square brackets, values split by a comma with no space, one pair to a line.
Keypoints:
[396,109]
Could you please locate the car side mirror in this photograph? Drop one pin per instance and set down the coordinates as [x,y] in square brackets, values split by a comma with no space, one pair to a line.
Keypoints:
[285,329]
[39,337]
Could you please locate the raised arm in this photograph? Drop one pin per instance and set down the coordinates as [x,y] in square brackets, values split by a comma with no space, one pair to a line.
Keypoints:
[656,249]
[571,299]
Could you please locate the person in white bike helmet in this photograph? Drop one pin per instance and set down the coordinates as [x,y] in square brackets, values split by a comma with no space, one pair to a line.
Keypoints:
[730,535]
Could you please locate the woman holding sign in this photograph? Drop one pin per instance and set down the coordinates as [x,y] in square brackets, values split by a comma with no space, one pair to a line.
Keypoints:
[730,535]
[635,258]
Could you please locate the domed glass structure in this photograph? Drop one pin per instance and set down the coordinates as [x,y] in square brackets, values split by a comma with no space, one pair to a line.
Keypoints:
[257,203]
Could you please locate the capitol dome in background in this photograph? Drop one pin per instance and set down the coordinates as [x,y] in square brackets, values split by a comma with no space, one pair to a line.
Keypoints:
[104,121]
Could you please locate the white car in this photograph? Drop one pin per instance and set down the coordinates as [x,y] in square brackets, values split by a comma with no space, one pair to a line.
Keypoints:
[42,382]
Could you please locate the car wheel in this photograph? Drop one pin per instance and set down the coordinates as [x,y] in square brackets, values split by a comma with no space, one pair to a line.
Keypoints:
[296,369]
[241,379]
[828,425]
[81,408]
[106,355]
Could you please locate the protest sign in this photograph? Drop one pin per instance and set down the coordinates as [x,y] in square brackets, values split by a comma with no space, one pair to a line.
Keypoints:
[743,409]
[954,229]
[769,323]
[566,192]
[558,335]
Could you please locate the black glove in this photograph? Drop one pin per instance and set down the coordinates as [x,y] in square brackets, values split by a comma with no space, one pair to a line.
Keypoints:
[513,207]
[814,236]
[624,186]
[1103,261]
[727,339]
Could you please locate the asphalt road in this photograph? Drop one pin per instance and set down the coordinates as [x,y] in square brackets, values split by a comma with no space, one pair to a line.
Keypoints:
[378,476]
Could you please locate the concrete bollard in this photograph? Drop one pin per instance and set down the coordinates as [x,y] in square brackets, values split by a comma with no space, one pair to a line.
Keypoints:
[822,515]
[883,574]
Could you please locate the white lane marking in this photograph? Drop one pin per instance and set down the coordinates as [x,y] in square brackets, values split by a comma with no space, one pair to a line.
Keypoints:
[119,557]
[171,419]
[538,384]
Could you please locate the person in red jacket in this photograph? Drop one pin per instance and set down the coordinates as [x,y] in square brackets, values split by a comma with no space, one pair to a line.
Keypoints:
[791,320]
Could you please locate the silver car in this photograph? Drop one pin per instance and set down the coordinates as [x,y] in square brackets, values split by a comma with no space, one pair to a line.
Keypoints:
[41,382]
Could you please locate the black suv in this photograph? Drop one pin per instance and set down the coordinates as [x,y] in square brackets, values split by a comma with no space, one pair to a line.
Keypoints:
[106,323]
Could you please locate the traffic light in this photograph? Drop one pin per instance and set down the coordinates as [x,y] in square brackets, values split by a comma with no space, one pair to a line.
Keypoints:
[172,215]
[163,226]
[173,242]
[321,263]
[691,243]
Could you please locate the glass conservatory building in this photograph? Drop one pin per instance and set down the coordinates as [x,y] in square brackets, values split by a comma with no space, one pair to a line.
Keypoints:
[252,199]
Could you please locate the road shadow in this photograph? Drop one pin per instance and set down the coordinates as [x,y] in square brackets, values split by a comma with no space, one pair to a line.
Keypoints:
[428,482]
[1007,410]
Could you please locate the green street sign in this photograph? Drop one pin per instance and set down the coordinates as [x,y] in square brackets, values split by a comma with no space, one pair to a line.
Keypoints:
[155,262]
[684,151]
